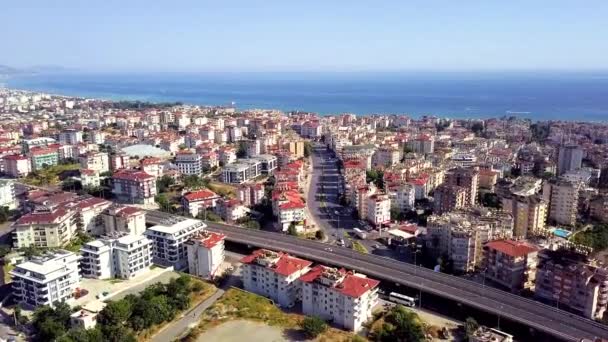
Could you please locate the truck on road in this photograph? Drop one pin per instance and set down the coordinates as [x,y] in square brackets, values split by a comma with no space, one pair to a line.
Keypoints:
[361,234]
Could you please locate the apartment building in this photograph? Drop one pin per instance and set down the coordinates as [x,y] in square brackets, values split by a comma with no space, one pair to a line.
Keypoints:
[511,263]
[423,143]
[378,209]
[529,214]
[121,218]
[195,202]
[461,235]
[250,194]
[46,280]
[152,166]
[242,171]
[17,166]
[97,161]
[342,297]
[570,157]
[467,178]
[70,137]
[292,212]
[447,198]
[189,163]
[7,194]
[274,275]
[386,157]
[43,156]
[169,241]
[133,186]
[405,197]
[119,255]
[89,216]
[45,228]
[569,279]
[562,197]
[205,254]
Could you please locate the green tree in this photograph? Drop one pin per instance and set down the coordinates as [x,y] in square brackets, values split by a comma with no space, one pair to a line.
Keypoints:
[307,149]
[400,325]
[491,200]
[115,313]
[195,182]
[320,234]
[241,151]
[117,333]
[313,326]
[471,326]
[251,224]
[163,202]
[4,250]
[164,183]
[375,176]
[477,128]
[292,230]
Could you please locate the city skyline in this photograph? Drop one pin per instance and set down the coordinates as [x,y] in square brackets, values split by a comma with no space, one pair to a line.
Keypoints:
[315,36]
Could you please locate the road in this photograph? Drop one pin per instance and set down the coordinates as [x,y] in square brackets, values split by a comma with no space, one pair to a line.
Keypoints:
[187,321]
[541,317]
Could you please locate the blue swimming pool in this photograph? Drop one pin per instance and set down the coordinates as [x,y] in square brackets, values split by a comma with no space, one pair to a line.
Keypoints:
[561,232]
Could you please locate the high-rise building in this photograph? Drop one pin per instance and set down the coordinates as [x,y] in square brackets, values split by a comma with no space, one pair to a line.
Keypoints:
[447,198]
[120,255]
[169,241]
[511,264]
[529,213]
[467,178]
[189,163]
[205,254]
[570,157]
[562,197]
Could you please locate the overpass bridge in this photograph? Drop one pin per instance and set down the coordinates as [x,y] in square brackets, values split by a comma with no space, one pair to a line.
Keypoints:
[547,319]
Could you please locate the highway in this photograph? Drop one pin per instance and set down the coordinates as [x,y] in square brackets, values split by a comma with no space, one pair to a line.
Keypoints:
[541,317]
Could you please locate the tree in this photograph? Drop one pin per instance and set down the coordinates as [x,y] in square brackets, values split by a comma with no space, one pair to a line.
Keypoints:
[115,313]
[477,128]
[195,182]
[400,325]
[313,326]
[375,176]
[292,230]
[491,200]
[471,326]
[307,149]
[4,250]
[163,202]
[320,235]
[164,183]
[118,333]
[241,151]
[251,224]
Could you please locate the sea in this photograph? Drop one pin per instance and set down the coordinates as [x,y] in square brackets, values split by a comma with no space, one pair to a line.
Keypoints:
[538,96]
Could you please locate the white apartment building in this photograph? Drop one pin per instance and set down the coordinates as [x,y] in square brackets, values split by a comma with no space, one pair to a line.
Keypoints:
[274,275]
[292,212]
[17,166]
[89,214]
[53,228]
[405,197]
[7,194]
[205,254]
[119,218]
[117,256]
[189,163]
[98,161]
[386,156]
[169,241]
[345,298]
[378,209]
[47,279]
[70,137]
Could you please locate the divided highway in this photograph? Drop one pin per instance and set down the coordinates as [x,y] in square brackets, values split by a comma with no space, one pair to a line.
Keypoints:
[541,317]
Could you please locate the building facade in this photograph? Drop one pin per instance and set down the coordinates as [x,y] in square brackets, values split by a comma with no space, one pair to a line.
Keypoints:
[205,254]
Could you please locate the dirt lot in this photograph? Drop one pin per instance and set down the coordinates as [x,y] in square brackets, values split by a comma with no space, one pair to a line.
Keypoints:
[238,331]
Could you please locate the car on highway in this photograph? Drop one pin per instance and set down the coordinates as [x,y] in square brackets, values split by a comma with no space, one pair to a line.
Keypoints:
[340,242]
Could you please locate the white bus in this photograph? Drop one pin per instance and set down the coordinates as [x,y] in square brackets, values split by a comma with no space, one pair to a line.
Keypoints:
[402,299]
[361,234]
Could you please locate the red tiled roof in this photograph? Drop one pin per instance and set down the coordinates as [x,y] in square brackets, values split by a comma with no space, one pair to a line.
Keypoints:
[132,175]
[149,161]
[128,211]
[42,217]
[285,265]
[209,239]
[200,195]
[417,181]
[92,201]
[512,248]
[292,205]
[356,286]
[15,157]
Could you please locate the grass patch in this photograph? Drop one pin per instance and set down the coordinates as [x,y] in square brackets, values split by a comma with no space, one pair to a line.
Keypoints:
[49,175]
[357,246]
[223,189]
[6,269]
[238,304]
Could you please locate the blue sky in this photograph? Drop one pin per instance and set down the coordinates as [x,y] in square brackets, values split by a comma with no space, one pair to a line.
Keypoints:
[268,35]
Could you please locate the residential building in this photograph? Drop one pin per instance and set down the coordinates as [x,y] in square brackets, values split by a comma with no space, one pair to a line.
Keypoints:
[274,275]
[231,210]
[570,157]
[405,198]
[195,202]
[48,228]
[378,209]
[43,156]
[562,197]
[344,298]
[152,166]
[189,163]
[488,179]
[89,216]
[467,178]
[529,214]
[121,218]
[7,194]
[70,137]
[447,198]
[569,279]
[511,264]
[250,194]
[169,241]
[17,166]
[134,186]
[253,148]
[205,254]
[97,161]
[386,157]
[242,171]
[423,143]
[119,255]
[46,280]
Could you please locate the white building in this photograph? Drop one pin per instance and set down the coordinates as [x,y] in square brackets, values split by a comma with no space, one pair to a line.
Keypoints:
[274,275]
[7,194]
[378,209]
[119,256]
[405,197]
[17,166]
[342,297]
[119,218]
[70,137]
[205,254]
[169,241]
[189,163]
[98,161]
[45,280]
[570,157]
[89,214]
[292,212]
[196,202]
